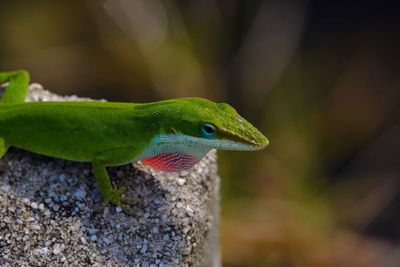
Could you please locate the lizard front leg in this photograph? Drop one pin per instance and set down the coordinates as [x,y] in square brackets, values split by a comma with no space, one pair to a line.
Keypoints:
[112,158]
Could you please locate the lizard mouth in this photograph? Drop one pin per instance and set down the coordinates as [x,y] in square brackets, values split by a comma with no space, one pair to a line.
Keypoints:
[239,145]
[245,142]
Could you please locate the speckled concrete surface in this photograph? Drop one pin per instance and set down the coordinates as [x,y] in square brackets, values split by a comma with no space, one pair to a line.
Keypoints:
[50,213]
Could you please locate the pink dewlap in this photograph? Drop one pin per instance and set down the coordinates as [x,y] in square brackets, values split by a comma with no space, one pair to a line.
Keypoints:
[171,162]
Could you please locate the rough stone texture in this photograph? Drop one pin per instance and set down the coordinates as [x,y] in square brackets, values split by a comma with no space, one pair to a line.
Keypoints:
[50,213]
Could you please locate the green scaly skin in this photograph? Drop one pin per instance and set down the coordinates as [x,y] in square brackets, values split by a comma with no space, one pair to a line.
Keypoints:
[110,134]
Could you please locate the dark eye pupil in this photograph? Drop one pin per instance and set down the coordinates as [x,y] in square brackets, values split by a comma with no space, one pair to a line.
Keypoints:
[208,129]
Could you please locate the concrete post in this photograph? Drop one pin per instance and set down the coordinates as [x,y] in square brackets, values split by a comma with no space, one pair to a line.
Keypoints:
[50,212]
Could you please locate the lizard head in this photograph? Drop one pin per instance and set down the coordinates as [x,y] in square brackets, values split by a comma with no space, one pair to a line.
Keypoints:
[219,126]
[190,127]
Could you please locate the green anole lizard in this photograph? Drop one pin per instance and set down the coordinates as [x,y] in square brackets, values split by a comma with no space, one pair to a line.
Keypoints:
[170,135]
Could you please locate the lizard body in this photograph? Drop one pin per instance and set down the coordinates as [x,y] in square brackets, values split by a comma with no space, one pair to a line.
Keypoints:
[170,135]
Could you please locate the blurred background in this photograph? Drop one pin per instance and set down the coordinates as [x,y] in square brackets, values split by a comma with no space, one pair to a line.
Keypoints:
[320,78]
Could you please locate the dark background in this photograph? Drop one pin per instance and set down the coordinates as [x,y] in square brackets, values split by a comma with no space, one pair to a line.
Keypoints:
[320,78]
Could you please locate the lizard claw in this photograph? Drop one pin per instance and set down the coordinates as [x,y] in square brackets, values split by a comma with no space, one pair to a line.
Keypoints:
[114,197]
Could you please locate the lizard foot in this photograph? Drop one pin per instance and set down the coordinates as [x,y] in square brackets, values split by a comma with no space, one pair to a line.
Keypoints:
[115,197]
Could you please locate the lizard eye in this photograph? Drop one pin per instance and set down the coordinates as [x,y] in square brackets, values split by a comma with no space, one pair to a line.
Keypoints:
[208,130]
